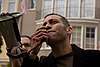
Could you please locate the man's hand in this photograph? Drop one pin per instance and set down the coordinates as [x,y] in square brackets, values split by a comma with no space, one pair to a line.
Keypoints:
[38,37]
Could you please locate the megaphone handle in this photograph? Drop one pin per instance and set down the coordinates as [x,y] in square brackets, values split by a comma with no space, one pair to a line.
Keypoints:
[23,54]
[18,53]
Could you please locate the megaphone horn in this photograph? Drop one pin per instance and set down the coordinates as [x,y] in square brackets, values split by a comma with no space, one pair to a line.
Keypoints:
[8,28]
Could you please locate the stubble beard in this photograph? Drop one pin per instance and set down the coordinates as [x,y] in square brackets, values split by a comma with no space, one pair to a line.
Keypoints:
[53,40]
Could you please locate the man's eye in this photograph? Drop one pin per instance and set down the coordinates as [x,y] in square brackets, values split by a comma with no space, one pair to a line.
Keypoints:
[26,44]
[53,22]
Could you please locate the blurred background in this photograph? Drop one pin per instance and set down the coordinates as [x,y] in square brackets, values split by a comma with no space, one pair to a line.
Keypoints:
[83,15]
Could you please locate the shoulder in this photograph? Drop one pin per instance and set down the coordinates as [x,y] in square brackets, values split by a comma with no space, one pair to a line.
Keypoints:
[75,48]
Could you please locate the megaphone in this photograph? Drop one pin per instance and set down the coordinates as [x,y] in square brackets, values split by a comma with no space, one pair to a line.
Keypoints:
[10,32]
[9,28]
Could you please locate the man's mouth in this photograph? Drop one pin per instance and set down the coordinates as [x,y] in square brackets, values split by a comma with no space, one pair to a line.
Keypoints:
[51,31]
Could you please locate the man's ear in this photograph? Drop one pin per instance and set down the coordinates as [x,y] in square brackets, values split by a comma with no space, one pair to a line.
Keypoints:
[69,30]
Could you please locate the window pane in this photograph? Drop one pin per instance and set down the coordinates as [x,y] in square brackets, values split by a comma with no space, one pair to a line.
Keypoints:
[90,38]
[76,35]
[32,4]
[11,6]
[73,8]
[46,7]
[87,8]
[92,30]
[92,35]
[87,29]
[87,35]
[59,6]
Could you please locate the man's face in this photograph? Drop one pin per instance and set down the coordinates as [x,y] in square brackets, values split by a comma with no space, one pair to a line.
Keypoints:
[56,29]
[25,43]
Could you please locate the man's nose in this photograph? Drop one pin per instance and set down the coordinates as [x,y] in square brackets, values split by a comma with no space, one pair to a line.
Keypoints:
[23,46]
[48,26]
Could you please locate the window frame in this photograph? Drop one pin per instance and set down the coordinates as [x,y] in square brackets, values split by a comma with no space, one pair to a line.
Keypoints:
[81,33]
[69,8]
[11,10]
[95,37]
[30,6]
[82,13]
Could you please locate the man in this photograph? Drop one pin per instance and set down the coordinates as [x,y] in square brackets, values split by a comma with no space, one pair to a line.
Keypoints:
[56,32]
[25,46]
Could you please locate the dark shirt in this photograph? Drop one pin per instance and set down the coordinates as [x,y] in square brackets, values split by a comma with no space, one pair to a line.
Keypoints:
[81,58]
[65,60]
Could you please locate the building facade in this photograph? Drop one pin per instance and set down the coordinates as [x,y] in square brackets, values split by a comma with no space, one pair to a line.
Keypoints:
[83,15]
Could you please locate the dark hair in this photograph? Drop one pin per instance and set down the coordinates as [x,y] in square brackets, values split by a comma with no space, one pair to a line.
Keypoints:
[26,36]
[63,19]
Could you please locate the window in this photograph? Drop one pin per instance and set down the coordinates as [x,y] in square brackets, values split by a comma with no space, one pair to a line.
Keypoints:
[73,8]
[46,7]
[59,6]
[11,5]
[56,6]
[87,8]
[90,32]
[32,4]
[83,8]
[76,35]
[90,38]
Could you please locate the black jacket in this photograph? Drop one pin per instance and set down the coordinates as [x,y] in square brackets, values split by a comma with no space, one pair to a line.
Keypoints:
[85,58]
[81,58]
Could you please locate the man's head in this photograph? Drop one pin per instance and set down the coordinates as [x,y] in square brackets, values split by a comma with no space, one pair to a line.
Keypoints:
[26,45]
[64,20]
[25,41]
[58,28]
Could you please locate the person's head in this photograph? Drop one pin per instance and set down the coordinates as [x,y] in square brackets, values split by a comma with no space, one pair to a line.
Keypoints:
[58,28]
[25,41]
[62,18]
[26,44]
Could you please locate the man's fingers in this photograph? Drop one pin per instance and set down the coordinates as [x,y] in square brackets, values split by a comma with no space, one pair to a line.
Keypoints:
[15,49]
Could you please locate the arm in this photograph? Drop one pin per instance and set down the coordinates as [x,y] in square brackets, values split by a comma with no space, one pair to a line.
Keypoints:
[36,42]
[15,62]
